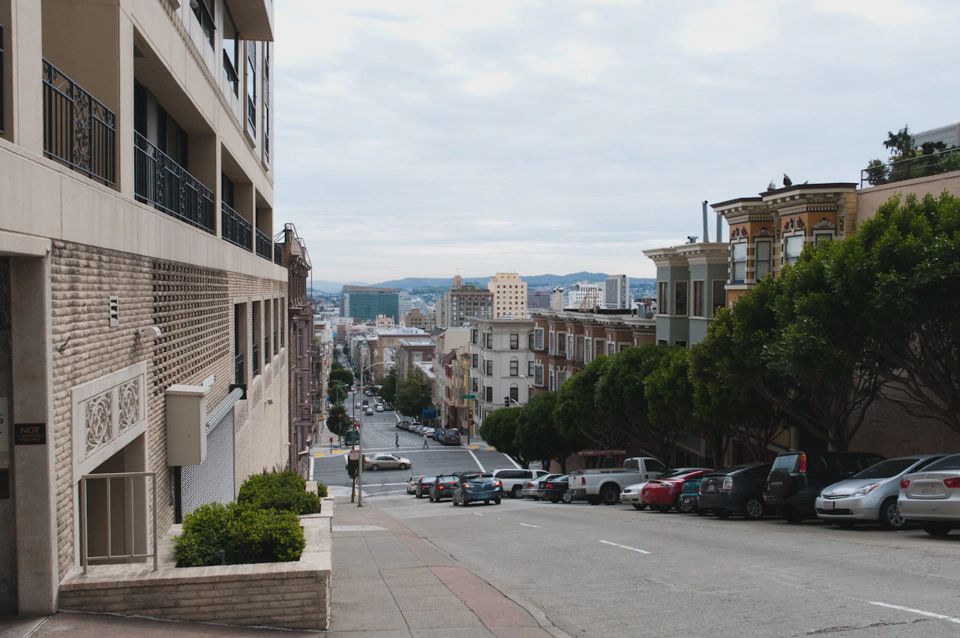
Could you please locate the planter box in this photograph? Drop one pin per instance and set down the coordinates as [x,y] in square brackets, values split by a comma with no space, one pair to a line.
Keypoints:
[292,595]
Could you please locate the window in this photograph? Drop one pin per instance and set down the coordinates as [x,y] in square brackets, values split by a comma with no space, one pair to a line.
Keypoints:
[552,384]
[698,299]
[475,361]
[515,342]
[488,341]
[252,87]
[239,330]
[538,339]
[283,309]
[514,393]
[231,46]
[680,308]
[681,343]
[473,336]
[719,296]
[663,307]
[204,12]
[255,350]
[531,368]
[822,236]
[488,393]
[739,262]
[267,327]
[475,384]
[553,342]
[611,347]
[794,246]
[764,255]
[601,347]
[561,378]
[514,367]
[569,346]
[266,102]
[538,376]
[489,367]
[588,350]
[529,341]
[562,344]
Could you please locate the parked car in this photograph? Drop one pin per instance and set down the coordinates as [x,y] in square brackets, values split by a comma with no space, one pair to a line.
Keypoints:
[734,490]
[351,436]
[450,437]
[357,405]
[369,411]
[512,479]
[365,403]
[605,485]
[797,478]
[931,496]
[387,407]
[423,486]
[630,495]
[415,428]
[427,432]
[531,488]
[871,495]
[412,483]
[663,493]
[477,486]
[442,487]
[385,462]
[689,496]
[555,489]
[379,408]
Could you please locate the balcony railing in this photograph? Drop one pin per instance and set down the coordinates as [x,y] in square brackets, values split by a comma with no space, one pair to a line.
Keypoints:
[239,373]
[277,251]
[234,228]
[263,245]
[168,187]
[78,129]
[922,166]
[255,359]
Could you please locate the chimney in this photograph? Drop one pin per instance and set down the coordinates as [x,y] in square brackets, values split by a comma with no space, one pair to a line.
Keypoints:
[719,227]
[706,231]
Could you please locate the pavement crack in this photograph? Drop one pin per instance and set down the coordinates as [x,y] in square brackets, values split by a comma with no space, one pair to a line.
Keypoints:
[843,628]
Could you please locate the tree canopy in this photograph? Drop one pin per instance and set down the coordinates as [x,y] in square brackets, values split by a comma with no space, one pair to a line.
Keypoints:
[413,394]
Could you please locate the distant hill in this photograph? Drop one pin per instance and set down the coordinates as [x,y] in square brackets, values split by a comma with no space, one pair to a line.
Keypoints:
[534,281]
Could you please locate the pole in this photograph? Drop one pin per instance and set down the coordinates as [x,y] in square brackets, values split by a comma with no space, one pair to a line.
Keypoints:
[360,465]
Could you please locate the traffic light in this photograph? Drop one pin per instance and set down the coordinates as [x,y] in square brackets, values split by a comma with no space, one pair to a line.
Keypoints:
[471,417]
[506,402]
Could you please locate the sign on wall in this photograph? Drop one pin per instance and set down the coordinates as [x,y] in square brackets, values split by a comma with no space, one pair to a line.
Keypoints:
[30,434]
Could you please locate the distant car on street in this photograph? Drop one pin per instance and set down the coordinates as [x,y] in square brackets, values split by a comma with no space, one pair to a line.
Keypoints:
[555,489]
[663,493]
[423,486]
[450,437]
[734,490]
[477,486]
[369,411]
[427,432]
[442,487]
[513,479]
[379,408]
[531,488]
[412,483]
[386,462]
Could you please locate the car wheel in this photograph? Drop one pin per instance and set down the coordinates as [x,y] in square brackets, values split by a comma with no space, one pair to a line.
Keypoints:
[639,507]
[701,512]
[419,494]
[722,514]
[844,524]
[890,515]
[937,529]
[402,466]
[610,495]
[567,497]
[554,499]
[791,516]
[753,508]
[464,501]
[594,500]
[374,467]
[496,501]
[486,501]
[454,500]
[663,509]
[515,492]
[684,507]
[432,500]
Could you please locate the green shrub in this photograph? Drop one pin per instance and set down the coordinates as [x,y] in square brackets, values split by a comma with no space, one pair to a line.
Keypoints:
[237,534]
[279,491]
[322,490]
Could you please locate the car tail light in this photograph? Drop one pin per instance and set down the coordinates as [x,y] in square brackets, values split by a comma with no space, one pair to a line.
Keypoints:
[549,486]
[803,463]
[727,484]
[440,487]
[952,482]
[904,484]
[467,485]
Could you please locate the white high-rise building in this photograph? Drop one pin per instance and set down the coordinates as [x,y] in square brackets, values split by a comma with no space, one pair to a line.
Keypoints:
[581,290]
[509,295]
[617,294]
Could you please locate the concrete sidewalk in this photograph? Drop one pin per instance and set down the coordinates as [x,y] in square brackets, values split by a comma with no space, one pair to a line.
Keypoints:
[390,583]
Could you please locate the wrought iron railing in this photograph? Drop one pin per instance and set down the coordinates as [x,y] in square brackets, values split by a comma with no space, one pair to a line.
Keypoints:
[922,166]
[234,228]
[239,373]
[263,245]
[78,129]
[168,187]
[277,251]
[255,359]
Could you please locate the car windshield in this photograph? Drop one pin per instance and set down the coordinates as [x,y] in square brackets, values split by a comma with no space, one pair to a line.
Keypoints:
[428,479]
[786,462]
[951,462]
[886,469]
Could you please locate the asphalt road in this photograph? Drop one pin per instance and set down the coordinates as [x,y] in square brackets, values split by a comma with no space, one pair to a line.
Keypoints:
[379,435]
[613,571]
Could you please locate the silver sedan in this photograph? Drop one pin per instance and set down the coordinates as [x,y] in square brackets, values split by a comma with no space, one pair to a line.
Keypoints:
[931,496]
[385,462]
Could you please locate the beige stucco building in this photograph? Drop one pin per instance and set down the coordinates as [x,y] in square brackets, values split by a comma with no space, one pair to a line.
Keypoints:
[138,280]
[509,295]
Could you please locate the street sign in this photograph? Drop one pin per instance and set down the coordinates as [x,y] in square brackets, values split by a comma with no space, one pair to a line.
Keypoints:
[468,396]
[354,455]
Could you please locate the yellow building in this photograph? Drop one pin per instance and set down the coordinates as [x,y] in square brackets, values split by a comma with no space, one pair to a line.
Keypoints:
[509,295]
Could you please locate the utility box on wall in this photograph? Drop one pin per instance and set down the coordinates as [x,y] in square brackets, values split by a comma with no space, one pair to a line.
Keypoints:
[186,424]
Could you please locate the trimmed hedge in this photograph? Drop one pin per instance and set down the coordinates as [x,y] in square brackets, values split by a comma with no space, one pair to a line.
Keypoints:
[235,534]
[322,490]
[282,491]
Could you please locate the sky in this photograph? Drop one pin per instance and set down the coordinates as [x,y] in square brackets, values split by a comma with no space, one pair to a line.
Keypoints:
[429,138]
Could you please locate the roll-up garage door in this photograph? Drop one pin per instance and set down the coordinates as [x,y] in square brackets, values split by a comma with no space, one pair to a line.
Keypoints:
[213,480]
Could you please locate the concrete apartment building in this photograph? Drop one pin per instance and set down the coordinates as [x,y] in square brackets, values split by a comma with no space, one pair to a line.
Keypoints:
[616,293]
[453,376]
[501,351]
[138,274]
[509,295]
[410,353]
[462,302]
[582,291]
[538,300]
[365,303]
[421,320]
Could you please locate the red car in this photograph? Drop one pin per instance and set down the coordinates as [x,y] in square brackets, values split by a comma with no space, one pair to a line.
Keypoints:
[664,492]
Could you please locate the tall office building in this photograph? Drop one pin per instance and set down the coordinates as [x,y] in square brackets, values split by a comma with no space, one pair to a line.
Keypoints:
[509,295]
[617,293]
[464,301]
[538,299]
[367,302]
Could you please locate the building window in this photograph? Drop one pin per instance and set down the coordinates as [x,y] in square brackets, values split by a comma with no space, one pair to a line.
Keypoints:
[475,384]
[489,367]
[822,236]
[538,376]
[266,102]
[739,262]
[514,394]
[239,330]
[538,339]
[488,341]
[794,246]
[514,367]
[283,319]
[601,347]
[663,306]
[488,394]
[529,341]
[553,342]
[719,296]
[588,350]
[611,347]
[552,383]
[204,12]
[698,299]
[562,344]
[561,378]
[569,346]
[252,87]
[475,361]
[231,47]
[682,344]
[531,368]
[514,342]
[473,336]
[680,309]
[255,350]
[267,327]
[661,342]
[764,256]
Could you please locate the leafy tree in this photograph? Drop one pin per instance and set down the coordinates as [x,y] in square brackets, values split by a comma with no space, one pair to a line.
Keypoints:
[670,403]
[900,144]
[388,388]
[499,429]
[579,416]
[338,422]
[335,365]
[538,436]
[338,392]
[341,375]
[413,394]
[907,261]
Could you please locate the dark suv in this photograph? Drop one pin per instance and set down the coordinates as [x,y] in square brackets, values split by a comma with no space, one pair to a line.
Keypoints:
[449,437]
[797,478]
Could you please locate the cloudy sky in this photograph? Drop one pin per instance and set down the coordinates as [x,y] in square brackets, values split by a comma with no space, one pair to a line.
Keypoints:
[426,138]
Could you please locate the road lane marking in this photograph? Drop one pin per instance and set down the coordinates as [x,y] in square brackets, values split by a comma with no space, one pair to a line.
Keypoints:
[477,460]
[477,514]
[920,612]
[529,525]
[632,549]
[383,484]
[515,464]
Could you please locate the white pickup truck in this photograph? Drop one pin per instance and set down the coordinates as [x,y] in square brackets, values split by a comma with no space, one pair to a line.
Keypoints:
[605,485]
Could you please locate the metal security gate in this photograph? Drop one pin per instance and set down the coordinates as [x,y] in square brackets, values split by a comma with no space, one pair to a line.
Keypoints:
[213,480]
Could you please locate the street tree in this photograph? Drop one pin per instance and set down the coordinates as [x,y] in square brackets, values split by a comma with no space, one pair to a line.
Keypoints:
[388,387]
[538,436]
[338,391]
[413,394]
[338,422]
[341,375]
[499,429]
[580,416]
